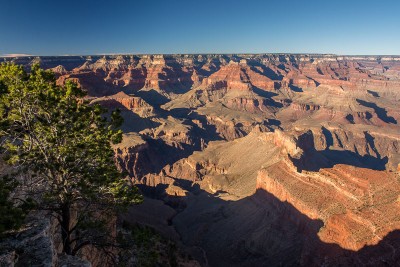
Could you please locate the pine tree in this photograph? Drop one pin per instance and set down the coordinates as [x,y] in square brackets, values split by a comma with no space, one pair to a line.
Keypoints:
[12,213]
[61,145]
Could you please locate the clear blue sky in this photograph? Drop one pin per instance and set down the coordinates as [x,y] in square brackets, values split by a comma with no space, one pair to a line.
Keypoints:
[55,27]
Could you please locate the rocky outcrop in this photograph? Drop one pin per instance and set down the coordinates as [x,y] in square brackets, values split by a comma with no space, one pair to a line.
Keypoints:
[128,155]
[235,76]
[131,103]
[251,105]
[365,213]
[304,107]
[37,244]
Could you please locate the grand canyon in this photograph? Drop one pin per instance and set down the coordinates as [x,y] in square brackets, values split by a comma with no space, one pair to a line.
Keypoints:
[256,159]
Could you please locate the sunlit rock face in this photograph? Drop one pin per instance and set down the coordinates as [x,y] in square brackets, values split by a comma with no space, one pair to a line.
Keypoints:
[257,160]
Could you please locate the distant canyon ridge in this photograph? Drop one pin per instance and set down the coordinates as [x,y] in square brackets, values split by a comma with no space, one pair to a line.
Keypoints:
[257,160]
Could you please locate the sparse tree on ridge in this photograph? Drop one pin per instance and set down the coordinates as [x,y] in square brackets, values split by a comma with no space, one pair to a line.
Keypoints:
[61,146]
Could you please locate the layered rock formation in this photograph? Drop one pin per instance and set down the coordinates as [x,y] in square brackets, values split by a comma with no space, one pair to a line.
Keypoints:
[254,160]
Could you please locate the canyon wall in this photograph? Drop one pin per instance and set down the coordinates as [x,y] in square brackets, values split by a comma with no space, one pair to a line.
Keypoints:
[264,159]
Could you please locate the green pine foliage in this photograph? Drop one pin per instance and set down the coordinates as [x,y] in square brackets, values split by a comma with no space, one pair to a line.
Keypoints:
[52,135]
[11,214]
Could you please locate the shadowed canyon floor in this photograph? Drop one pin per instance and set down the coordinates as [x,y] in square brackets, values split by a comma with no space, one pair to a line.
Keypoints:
[257,160]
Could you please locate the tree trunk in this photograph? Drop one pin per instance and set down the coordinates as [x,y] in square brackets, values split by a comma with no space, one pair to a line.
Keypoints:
[65,228]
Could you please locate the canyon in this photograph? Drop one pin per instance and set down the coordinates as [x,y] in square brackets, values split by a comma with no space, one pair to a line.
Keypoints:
[257,159]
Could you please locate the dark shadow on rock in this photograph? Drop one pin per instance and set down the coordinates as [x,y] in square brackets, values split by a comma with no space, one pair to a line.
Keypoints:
[265,70]
[319,71]
[368,115]
[370,141]
[160,154]
[137,82]
[282,67]
[180,113]
[152,97]
[350,118]
[328,137]
[213,66]
[295,88]
[373,93]
[94,84]
[314,160]
[174,79]
[204,130]
[272,74]
[263,93]
[273,122]
[269,101]
[157,154]
[260,230]
[381,112]
[132,121]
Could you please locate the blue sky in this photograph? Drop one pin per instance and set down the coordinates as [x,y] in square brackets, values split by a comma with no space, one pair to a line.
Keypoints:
[44,27]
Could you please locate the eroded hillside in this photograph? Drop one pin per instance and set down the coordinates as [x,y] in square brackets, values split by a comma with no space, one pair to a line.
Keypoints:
[255,160]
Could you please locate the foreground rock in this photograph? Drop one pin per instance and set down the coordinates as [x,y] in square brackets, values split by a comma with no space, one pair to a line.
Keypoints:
[37,244]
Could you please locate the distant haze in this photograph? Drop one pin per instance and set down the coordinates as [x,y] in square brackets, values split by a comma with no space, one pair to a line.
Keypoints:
[15,55]
[133,27]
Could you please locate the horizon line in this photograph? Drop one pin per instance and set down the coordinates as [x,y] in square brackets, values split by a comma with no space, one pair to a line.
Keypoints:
[22,55]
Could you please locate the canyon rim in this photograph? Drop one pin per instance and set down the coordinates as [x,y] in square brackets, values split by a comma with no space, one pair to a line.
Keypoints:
[245,159]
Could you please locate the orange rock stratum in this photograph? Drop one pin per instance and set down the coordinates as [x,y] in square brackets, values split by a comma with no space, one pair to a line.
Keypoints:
[257,160]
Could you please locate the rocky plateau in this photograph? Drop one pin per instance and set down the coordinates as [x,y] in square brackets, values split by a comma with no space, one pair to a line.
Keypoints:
[257,160]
